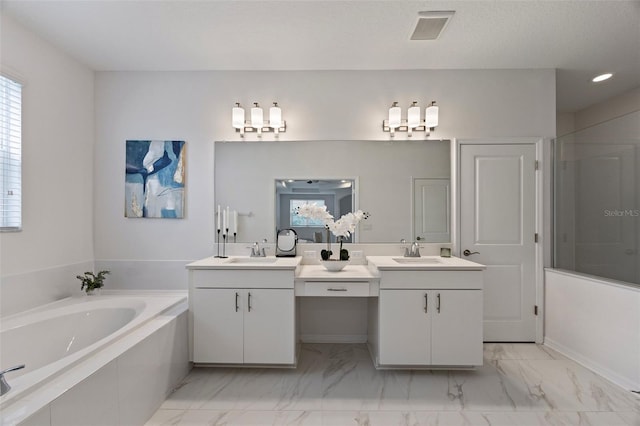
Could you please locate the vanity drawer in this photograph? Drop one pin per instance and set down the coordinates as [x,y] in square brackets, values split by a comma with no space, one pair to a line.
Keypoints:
[336,289]
[249,278]
[465,280]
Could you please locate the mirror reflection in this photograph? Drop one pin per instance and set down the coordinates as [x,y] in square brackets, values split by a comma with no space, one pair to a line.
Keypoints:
[403,185]
[337,195]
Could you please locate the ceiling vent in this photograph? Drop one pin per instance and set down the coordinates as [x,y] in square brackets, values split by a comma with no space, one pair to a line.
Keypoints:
[431,25]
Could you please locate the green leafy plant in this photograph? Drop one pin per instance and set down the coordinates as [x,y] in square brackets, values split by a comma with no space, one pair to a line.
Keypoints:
[91,281]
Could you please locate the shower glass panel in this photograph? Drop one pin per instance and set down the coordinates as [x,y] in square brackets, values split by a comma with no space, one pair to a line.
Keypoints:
[596,200]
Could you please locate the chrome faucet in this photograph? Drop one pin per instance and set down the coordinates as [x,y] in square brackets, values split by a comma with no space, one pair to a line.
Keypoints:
[256,251]
[414,251]
[4,386]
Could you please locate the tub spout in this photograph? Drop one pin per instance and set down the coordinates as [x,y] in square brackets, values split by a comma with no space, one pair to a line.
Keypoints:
[4,386]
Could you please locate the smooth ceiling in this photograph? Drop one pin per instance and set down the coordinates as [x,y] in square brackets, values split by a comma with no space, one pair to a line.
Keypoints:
[579,38]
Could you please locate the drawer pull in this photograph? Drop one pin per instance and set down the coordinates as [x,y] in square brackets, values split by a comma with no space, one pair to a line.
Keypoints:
[336,289]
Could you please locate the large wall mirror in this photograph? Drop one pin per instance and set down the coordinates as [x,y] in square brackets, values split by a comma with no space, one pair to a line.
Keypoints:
[403,185]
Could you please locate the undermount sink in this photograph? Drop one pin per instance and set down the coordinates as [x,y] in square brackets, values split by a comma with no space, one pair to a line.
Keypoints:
[252,260]
[417,260]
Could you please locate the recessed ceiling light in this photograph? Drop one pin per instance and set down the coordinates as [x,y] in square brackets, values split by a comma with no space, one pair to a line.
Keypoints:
[602,77]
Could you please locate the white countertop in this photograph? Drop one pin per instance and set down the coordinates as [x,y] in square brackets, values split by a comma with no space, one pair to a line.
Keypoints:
[432,263]
[246,263]
[349,273]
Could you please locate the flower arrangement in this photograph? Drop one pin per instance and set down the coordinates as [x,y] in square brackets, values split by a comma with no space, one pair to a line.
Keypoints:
[341,228]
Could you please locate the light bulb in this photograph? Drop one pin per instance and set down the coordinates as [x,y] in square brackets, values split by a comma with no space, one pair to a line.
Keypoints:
[413,117]
[257,119]
[275,117]
[431,116]
[394,116]
[237,116]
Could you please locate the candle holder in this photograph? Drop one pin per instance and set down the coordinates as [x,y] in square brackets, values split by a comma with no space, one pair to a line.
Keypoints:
[218,246]
[224,244]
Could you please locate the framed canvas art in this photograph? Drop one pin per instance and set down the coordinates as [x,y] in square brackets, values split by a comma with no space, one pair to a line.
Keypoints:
[154,182]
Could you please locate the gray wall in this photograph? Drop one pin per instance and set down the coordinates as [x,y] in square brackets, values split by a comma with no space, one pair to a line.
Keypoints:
[317,105]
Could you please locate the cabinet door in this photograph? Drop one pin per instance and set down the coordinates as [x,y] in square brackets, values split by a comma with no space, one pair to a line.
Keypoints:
[269,326]
[456,330]
[217,326]
[405,327]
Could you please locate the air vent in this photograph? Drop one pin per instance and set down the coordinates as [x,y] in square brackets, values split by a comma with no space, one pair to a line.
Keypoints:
[431,25]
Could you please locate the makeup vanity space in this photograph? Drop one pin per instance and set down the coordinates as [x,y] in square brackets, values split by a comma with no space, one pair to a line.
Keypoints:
[422,312]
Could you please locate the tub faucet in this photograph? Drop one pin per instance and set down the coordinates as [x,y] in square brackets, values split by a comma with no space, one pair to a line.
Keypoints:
[414,251]
[4,386]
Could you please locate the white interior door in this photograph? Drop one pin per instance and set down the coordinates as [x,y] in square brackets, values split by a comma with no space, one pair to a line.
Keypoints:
[432,210]
[497,220]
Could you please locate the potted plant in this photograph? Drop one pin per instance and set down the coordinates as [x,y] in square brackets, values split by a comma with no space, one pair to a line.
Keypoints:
[92,282]
[341,228]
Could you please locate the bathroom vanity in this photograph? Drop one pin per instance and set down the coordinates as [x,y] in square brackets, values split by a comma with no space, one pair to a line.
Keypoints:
[423,312]
[428,312]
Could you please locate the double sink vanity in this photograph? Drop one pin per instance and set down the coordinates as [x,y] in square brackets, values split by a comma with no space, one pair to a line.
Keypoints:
[422,312]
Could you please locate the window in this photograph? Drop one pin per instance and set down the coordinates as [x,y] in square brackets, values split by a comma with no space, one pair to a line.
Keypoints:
[297,220]
[10,155]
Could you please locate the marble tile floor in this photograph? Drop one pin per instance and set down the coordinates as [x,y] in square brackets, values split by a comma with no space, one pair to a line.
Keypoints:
[336,385]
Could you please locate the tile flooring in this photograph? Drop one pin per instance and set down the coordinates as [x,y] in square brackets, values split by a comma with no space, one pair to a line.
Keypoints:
[336,384]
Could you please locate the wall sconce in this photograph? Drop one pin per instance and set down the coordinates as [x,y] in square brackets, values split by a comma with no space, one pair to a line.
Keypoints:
[257,123]
[413,122]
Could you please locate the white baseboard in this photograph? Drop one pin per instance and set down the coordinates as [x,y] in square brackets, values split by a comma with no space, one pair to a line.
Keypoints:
[333,338]
[605,372]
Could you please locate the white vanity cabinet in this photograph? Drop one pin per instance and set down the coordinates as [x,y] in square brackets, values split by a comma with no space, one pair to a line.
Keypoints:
[242,316]
[428,318]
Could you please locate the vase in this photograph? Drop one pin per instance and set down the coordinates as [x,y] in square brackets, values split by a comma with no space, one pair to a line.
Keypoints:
[333,265]
[93,292]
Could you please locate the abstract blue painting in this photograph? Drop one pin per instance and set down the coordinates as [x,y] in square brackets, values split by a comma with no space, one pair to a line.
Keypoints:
[154,183]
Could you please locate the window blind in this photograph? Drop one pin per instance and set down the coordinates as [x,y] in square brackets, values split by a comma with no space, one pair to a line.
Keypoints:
[10,154]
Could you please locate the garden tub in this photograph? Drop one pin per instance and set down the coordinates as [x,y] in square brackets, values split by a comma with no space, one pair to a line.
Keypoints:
[54,339]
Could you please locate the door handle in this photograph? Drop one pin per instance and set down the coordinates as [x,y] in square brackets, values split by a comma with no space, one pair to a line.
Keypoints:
[237,307]
[469,253]
[426,303]
[438,304]
[249,302]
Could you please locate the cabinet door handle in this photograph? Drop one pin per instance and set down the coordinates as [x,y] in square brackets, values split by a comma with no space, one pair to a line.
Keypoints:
[426,303]
[249,302]
[438,304]
[237,307]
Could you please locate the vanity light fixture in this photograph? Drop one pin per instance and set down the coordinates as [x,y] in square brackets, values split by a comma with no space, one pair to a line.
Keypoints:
[395,119]
[257,118]
[431,116]
[413,117]
[275,117]
[413,122]
[237,118]
[256,122]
